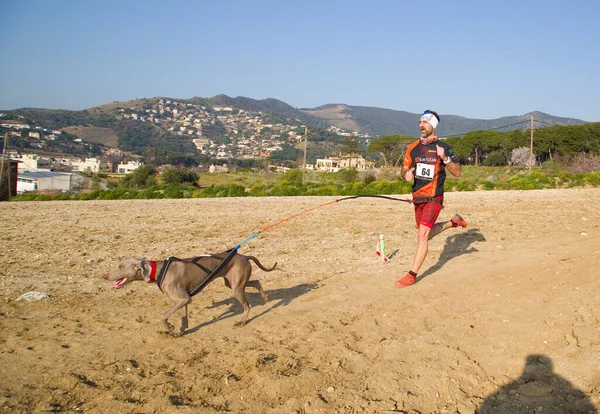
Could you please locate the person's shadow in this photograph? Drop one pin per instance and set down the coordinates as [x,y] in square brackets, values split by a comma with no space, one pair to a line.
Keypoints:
[538,390]
[456,245]
[282,296]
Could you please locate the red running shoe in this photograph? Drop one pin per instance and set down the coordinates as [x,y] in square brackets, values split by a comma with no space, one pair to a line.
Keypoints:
[406,281]
[458,221]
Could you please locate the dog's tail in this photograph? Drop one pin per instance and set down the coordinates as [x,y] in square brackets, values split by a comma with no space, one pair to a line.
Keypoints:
[259,264]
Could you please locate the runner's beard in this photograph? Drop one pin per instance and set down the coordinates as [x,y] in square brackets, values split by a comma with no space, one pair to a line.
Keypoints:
[429,138]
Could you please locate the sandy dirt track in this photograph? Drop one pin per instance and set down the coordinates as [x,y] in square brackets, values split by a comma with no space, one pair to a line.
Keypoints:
[504,318]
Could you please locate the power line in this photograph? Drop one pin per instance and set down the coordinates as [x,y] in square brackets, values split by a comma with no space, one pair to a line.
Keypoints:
[490,129]
[527,121]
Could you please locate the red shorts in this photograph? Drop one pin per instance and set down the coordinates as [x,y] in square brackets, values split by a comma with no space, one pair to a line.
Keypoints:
[427,213]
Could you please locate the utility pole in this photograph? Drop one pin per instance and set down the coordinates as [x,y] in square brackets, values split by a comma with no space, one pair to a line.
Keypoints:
[531,146]
[2,167]
[305,147]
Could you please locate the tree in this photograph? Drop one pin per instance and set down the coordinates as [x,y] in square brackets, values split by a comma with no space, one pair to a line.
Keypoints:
[287,153]
[179,176]
[520,157]
[351,146]
[391,148]
[142,176]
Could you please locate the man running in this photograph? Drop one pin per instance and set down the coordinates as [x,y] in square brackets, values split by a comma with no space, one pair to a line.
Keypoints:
[426,162]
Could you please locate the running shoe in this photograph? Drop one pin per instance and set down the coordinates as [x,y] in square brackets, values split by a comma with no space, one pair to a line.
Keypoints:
[458,221]
[406,281]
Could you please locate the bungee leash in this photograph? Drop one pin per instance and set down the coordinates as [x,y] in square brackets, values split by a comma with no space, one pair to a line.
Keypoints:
[252,236]
[232,252]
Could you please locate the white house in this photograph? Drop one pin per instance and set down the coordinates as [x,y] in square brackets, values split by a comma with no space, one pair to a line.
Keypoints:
[218,169]
[32,162]
[92,165]
[335,164]
[126,168]
[328,164]
[47,180]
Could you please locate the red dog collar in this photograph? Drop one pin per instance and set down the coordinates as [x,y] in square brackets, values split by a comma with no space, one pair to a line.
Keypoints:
[152,272]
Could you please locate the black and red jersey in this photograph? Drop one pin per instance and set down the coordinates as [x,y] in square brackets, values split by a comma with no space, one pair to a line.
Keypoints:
[429,169]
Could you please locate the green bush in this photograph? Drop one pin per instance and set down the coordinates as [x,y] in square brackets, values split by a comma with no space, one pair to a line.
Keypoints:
[358,187]
[486,184]
[179,176]
[236,190]
[327,190]
[495,159]
[577,180]
[173,190]
[520,183]
[369,178]
[291,177]
[287,190]
[348,175]
[389,187]
[258,190]
[463,185]
[593,179]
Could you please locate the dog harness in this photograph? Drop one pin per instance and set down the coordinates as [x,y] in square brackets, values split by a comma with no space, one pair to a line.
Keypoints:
[210,274]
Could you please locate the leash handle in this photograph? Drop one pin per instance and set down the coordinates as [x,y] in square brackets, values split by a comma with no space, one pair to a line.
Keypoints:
[253,235]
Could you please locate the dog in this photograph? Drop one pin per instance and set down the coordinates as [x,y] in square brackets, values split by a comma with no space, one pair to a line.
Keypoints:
[183,276]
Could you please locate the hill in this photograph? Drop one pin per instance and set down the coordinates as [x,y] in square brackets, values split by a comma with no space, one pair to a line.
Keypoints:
[222,127]
[379,121]
[370,120]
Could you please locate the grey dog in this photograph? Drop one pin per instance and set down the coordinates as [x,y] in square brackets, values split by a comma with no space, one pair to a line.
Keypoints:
[184,275]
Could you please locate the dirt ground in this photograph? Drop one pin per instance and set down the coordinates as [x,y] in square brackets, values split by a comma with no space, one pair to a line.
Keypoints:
[504,317]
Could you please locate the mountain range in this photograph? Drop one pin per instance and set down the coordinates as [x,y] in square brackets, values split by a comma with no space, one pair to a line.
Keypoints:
[380,121]
[363,119]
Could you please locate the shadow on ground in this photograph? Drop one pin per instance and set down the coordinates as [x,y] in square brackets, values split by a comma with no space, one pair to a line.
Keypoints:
[456,245]
[538,389]
[282,297]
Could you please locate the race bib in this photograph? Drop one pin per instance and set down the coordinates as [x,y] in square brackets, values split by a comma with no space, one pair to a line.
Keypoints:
[424,171]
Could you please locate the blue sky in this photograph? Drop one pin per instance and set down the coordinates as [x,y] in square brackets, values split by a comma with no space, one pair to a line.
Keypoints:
[477,59]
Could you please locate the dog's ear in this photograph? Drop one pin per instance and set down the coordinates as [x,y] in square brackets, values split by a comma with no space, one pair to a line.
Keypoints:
[145,268]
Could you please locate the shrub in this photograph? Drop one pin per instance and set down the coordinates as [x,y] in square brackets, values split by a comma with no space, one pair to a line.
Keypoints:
[577,180]
[179,175]
[348,175]
[357,187]
[286,190]
[369,178]
[495,159]
[327,190]
[258,190]
[463,185]
[293,177]
[236,190]
[520,183]
[593,179]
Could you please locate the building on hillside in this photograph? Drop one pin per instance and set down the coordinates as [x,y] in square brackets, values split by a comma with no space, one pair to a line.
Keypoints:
[218,168]
[92,165]
[28,181]
[357,162]
[130,166]
[335,164]
[32,162]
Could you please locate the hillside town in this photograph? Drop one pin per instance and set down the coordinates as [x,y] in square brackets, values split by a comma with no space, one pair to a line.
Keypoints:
[245,135]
